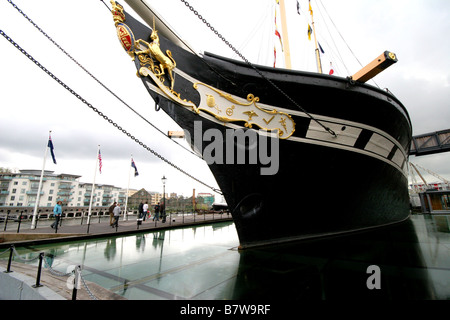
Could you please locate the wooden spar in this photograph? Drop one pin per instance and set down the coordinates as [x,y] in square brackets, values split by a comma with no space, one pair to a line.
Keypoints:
[319,63]
[385,60]
[175,134]
[287,52]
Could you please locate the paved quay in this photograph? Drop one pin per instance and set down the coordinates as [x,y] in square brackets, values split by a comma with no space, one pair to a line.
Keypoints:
[19,283]
[73,229]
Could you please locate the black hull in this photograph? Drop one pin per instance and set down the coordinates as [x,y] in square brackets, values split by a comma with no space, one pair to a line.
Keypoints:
[324,185]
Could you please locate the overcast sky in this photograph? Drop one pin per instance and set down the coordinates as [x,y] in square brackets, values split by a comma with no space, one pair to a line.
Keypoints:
[32,103]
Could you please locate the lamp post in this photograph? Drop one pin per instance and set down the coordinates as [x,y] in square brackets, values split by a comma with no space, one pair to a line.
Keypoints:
[163,213]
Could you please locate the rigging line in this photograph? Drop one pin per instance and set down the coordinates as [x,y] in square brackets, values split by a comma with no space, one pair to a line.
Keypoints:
[344,40]
[104,116]
[254,68]
[340,34]
[332,39]
[93,77]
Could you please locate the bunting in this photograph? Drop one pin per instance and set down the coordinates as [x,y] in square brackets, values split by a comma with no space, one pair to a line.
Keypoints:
[274,56]
[331,69]
[320,47]
[276,31]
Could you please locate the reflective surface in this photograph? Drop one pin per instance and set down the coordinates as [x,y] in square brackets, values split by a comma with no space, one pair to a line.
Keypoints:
[413,261]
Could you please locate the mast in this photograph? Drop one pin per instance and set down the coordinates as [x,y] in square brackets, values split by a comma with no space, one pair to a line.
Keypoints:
[287,52]
[319,64]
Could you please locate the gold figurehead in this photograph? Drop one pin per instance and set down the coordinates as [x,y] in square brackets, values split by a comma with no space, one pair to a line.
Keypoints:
[155,64]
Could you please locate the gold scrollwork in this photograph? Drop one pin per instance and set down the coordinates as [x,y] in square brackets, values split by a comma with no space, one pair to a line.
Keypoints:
[212,99]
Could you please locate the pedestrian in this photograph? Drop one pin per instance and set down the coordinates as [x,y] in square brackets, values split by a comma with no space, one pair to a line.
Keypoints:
[145,210]
[141,210]
[116,211]
[111,213]
[156,213]
[57,211]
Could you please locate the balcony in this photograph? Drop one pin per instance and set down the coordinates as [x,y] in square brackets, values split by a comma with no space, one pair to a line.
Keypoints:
[34,193]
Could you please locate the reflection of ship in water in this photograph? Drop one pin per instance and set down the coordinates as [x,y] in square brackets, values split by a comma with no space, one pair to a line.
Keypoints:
[336,268]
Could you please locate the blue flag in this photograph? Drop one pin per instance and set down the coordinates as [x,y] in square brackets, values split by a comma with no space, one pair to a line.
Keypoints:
[136,173]
[50,145]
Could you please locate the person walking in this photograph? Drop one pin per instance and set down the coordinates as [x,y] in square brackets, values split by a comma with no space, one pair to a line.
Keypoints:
[141,210]
[117,212]
[145,210]
[156,213]
[57,212]
[111,213]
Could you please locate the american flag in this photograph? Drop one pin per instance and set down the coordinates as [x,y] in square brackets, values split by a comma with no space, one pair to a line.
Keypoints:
[99,161]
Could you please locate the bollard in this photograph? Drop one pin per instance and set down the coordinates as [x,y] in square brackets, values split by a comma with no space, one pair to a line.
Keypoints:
[11,250]
[6,221]
[20,221]
[38,276]
[76,281]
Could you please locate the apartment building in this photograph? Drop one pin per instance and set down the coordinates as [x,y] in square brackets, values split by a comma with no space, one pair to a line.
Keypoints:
[21,190]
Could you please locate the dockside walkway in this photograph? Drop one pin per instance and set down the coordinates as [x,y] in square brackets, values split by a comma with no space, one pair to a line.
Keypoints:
[75,229]
[18,285]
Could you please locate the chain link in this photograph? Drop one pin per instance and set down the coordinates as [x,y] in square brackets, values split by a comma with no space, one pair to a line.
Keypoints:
[53,271]
[253,67]
[93,77]
[101,114]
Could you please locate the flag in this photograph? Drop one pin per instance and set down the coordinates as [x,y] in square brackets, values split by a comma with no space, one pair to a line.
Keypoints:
[136,173]
[274,56]
[99,161]
[310,9]
[309,32]
[320,47]
[298,7]
[50,145]
[276,31]
[331,69]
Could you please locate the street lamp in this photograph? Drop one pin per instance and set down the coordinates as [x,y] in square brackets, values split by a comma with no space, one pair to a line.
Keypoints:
[164,179]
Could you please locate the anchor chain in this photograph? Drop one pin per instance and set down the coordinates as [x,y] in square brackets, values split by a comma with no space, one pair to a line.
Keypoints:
[196,13]
[104,116]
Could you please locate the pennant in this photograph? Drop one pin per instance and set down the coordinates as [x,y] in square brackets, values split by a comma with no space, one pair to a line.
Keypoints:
[331,69]
[136,173]
[50,145]
[309,32]
[298,7]
[277,33]
[274,56]
[100,161]
[320,47]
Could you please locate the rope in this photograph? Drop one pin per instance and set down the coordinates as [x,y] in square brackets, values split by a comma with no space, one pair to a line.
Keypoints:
[104,116]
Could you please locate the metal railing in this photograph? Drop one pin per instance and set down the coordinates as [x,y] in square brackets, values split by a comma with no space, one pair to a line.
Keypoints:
[75,276]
